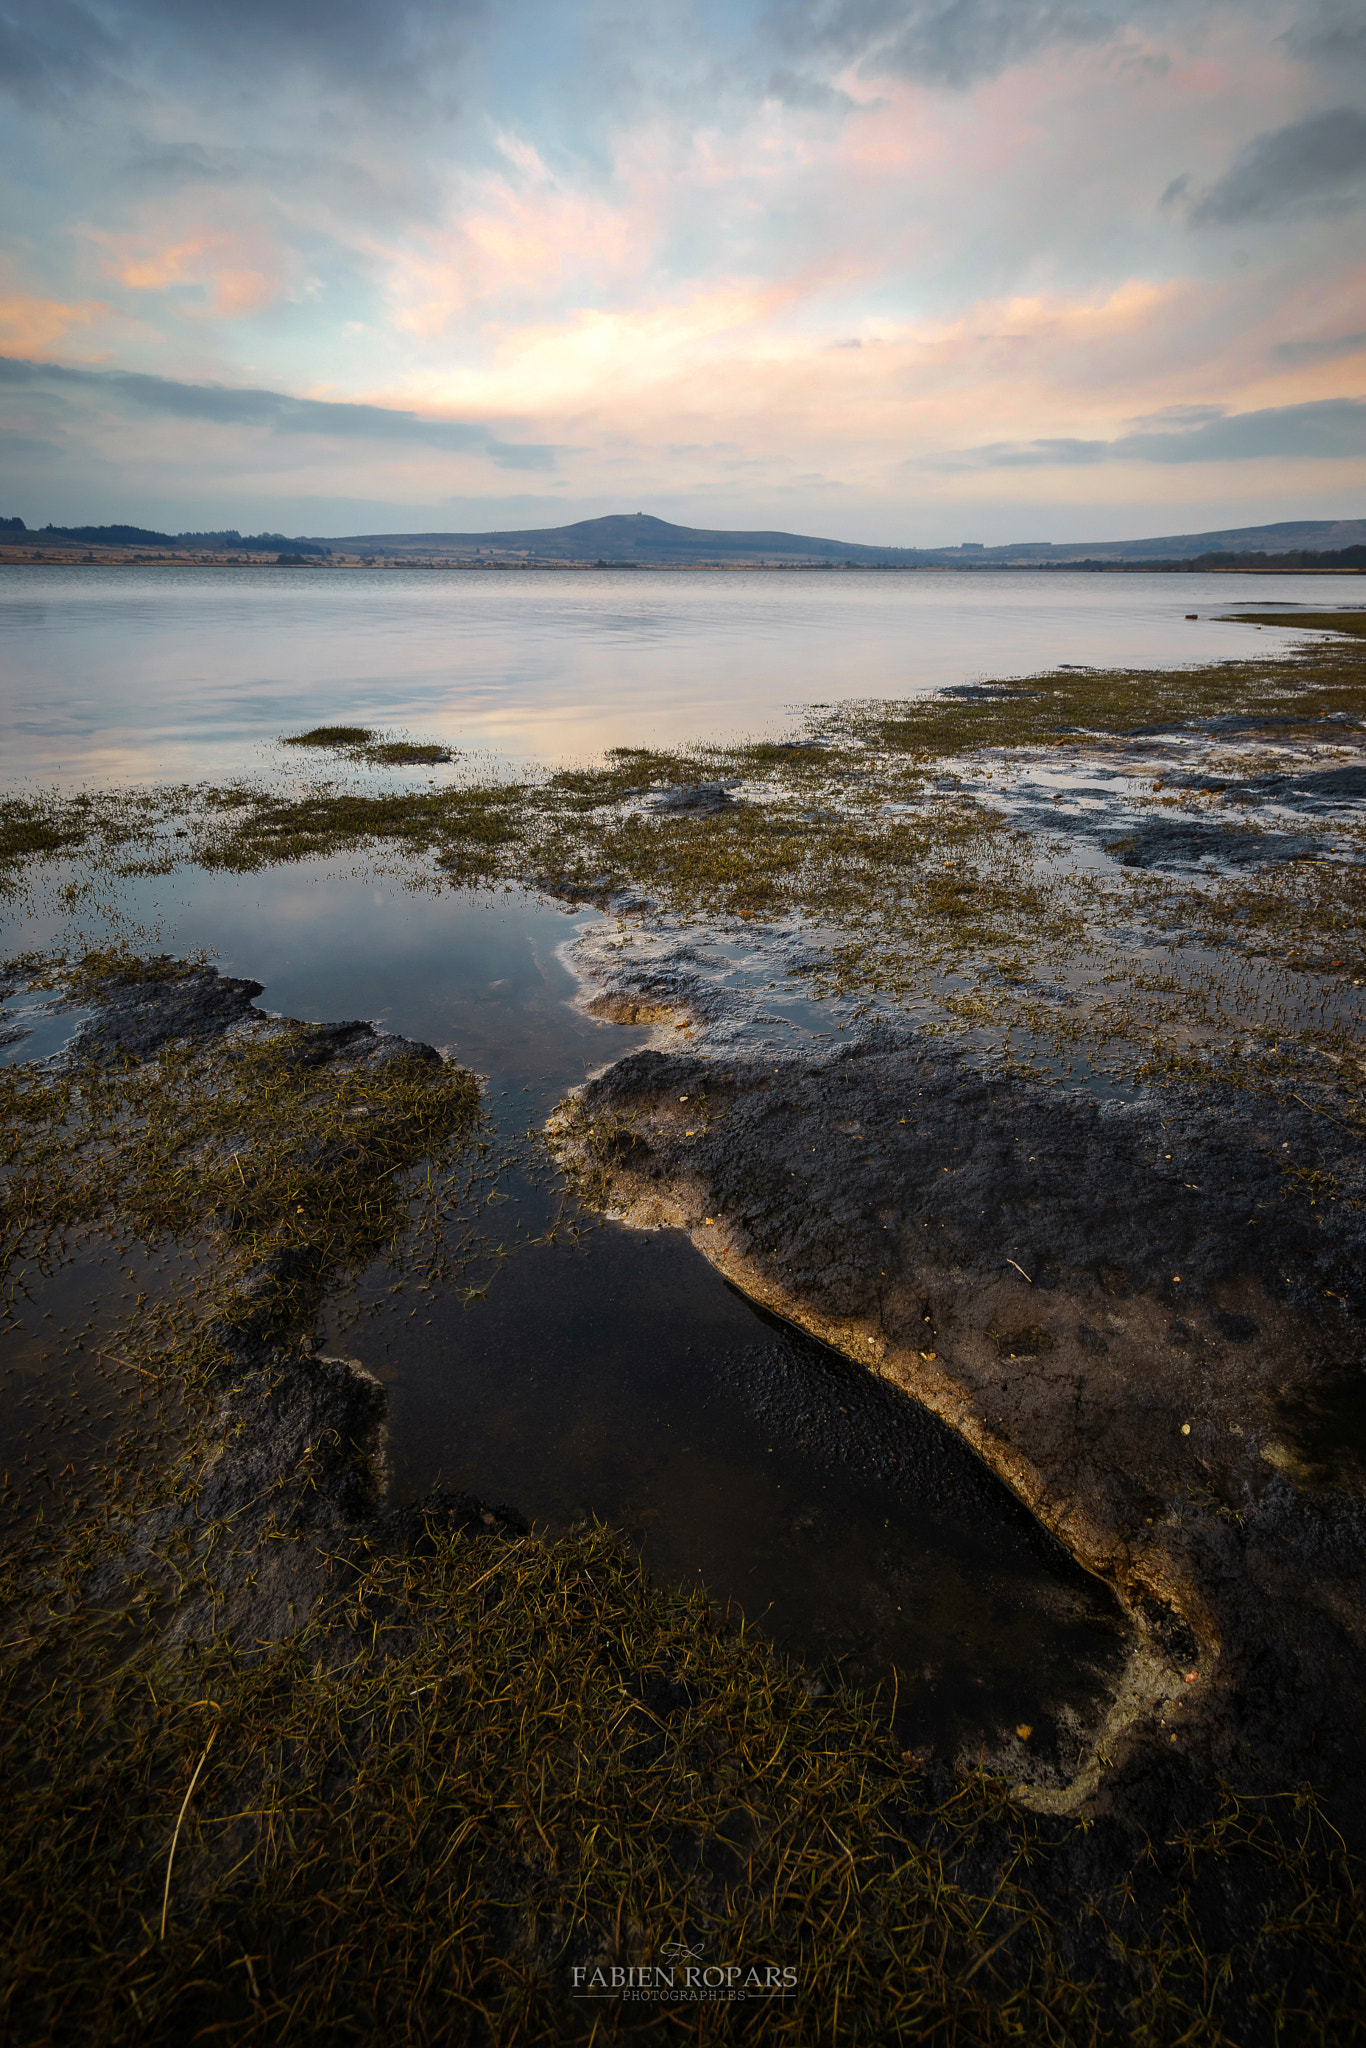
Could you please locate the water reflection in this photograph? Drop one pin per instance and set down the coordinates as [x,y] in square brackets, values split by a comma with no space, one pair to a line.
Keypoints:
[119,676]
[618,1376]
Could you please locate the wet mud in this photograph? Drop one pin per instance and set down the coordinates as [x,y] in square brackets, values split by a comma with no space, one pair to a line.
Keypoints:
[1135,1313]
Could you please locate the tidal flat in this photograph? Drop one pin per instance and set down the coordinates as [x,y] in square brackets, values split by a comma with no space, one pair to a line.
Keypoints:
[1008,1042]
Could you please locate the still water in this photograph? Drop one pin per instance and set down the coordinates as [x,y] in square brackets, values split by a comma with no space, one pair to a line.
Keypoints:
[147,674]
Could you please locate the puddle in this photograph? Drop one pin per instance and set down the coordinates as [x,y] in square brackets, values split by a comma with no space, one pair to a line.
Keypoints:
[617,1374]
[620,1377]
[35,1028]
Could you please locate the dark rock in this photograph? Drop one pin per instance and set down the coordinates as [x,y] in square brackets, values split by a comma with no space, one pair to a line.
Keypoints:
[1187,843]
[134,1018]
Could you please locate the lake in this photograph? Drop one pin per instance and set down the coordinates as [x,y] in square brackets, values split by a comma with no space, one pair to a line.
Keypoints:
[147,674]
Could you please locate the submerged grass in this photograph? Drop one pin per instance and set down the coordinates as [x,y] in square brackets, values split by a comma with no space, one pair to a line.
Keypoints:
[257,1173]
[1315,622]
[469,831]
[279,1151]
[497,1761]
[360,742]
[330,736]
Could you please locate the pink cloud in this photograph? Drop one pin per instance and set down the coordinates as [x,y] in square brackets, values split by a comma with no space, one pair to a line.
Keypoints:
[35,326]
[238,270]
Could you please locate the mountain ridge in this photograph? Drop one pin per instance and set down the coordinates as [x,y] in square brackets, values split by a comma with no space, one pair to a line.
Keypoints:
[641,538]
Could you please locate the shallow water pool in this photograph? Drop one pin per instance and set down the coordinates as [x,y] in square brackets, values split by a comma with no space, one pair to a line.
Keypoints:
[615,1374]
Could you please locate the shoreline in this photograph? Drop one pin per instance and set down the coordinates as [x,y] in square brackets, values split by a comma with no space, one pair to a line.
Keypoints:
[146,559]
[1162,1396]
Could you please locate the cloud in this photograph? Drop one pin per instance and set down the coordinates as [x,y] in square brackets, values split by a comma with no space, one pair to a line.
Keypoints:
[836,234]
[375,50]
[968,40]
[53,52]
[1332,35]
[169,165]
[14,446]
[1325,351]
[1313,166]
[1330,429]
[232,274]
[1179,416]
[953,43]
[31,322]
[526,234]
[276,411]
[794,89]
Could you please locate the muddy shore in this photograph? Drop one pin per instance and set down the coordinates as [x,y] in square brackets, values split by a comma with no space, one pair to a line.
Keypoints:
[1140,1315]
[286,1464]
[1143,1316]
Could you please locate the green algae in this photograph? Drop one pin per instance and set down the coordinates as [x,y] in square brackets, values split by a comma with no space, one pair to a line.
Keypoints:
[262,1147]
[330,736]
[470,831]
[1318,622]
[863,829]
[364,744]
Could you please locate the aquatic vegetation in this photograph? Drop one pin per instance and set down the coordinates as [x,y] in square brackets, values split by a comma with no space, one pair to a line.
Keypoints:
[469,830]
[405,753]
[1307,621]
[287,1157]
[27,829]
[886,830]
[494,1759]
[363,744]
[330,736]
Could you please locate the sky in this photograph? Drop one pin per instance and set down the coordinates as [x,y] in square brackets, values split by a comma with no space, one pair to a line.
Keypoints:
[900,271]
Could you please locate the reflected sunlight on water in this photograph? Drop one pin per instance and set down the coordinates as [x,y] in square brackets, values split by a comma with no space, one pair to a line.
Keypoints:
[146,674]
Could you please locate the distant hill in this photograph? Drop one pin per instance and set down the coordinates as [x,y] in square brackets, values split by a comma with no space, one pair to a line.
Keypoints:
[1282,537]
[147,537]
[639,539]
[625,537]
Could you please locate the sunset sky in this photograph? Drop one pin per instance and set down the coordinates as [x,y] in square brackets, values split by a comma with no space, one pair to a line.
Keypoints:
[910,271]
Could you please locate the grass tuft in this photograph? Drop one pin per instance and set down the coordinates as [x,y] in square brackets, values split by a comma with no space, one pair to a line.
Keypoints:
[330,736]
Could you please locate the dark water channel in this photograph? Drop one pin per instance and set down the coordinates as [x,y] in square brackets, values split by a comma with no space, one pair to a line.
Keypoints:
[613,1373]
